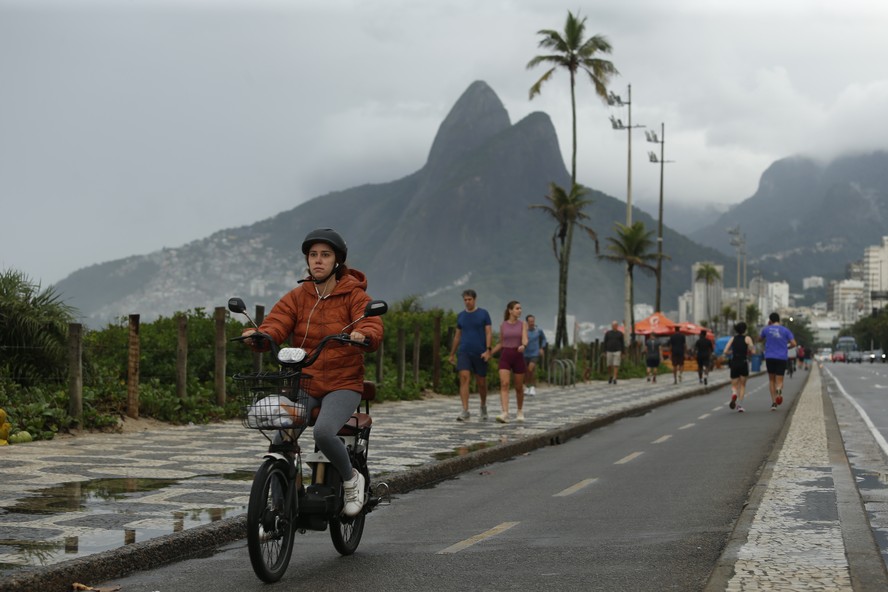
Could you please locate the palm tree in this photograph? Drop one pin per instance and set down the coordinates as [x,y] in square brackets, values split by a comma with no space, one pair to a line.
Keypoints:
[633,246]
[707,272]
[33,328]
[573,52]
[752,314]
[728,314]
[567,211]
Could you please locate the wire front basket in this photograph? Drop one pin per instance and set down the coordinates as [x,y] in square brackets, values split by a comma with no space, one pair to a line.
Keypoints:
[273,400]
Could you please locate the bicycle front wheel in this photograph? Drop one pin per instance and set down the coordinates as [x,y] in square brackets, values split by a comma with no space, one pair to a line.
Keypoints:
[271,521]
[346,532]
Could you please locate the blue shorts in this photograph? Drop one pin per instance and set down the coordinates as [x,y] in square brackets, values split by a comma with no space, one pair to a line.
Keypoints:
[471,362]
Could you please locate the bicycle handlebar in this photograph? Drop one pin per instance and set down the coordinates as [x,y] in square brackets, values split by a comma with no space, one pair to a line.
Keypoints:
[342,338]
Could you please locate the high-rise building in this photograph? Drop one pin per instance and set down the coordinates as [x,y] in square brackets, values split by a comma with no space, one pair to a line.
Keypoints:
[875,276]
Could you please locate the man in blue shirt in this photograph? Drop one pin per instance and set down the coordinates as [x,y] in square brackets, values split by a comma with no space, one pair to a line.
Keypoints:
[473,337]
[778,339]
[533,353]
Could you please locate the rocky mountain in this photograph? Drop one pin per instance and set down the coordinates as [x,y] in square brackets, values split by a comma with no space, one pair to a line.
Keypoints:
[808,218]
[461,221]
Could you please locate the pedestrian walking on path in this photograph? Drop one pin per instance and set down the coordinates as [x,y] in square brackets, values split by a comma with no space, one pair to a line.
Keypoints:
[704,348]
[613,347]
[511,346]
[677,347]
[471,341]
[533,353]
[652,357]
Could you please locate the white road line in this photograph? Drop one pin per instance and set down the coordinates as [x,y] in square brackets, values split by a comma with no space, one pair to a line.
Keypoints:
[629,458]
[575,488]
[662,439]
[687,425]
[477,538]
[704,416]
[719,408]
[877,435]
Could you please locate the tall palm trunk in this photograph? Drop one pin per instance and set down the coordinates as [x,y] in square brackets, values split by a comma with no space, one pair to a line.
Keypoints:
[627,306]
[563,266]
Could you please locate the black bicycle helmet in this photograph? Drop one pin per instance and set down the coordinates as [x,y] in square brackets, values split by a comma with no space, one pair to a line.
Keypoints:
[328,236]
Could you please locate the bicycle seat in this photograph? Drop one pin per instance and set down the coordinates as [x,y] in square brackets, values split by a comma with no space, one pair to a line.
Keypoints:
[358,421]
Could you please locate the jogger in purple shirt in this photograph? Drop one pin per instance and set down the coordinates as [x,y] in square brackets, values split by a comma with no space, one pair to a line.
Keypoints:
[778,339]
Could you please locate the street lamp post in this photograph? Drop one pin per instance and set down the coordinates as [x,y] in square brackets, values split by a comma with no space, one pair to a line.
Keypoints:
[615,101]
[738,241]
[652,137]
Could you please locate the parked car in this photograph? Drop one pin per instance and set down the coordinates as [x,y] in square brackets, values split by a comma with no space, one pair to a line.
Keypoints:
[854,356]
[838,356]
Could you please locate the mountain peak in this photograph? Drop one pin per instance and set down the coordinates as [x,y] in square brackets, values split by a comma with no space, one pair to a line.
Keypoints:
[477,116]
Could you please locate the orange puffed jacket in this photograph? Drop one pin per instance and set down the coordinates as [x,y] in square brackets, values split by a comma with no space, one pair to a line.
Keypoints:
[309,318]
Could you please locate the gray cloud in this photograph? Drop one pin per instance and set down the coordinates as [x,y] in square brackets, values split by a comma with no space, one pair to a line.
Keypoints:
[128,127]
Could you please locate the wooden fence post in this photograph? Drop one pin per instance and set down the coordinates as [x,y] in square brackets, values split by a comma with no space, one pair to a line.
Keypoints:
[402,354]
[380,362]
[75,372]
[220,315]
[257,356]
[416,340]
[436,353]
[181,356]
[132,378]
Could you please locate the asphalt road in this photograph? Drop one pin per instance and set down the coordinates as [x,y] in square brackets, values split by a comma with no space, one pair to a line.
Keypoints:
[646,503]
[859,393]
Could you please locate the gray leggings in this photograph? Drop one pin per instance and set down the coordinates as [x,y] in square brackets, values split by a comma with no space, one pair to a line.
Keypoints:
[336,409]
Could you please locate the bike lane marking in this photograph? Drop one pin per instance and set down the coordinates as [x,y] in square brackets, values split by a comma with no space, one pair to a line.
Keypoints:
[877,435]
[575,488]
[456,548]
[628,458]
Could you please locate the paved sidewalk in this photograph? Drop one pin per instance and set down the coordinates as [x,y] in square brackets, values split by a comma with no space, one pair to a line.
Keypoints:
[805,519]
[163,488]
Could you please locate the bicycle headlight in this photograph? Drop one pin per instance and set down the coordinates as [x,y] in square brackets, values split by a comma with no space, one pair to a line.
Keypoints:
[291,355]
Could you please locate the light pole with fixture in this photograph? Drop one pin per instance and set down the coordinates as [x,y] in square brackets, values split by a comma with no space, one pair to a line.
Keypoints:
[615,101]
[652,137]
[738,241]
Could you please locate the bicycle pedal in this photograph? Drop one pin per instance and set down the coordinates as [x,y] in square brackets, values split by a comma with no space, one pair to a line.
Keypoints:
[382,495]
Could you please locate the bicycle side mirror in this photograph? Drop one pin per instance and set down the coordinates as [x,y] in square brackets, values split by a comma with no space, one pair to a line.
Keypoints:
[237,305]
[376,308]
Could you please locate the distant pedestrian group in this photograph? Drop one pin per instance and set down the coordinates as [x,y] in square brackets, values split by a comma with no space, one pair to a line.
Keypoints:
[520,349]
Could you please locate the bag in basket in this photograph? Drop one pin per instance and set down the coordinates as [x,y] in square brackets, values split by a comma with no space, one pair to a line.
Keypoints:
[275,411]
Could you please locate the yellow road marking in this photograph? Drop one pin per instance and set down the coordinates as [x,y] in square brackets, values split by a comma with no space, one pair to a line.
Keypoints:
[629,458]
[477,538]
[575,488]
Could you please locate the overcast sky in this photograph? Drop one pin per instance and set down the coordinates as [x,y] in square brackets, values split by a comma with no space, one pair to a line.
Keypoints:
[130,126]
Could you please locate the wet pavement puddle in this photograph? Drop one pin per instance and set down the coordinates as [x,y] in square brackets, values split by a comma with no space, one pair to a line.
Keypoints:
[76,519]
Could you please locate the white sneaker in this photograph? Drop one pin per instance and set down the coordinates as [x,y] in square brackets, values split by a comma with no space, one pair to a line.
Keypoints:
[503,418]
[520,418]
[354,494]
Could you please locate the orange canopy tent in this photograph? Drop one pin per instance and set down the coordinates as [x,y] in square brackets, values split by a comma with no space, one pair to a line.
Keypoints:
[657,324]
[691,328]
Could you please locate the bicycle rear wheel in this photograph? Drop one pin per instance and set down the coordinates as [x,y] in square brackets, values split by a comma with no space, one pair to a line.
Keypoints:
[346,532]
[270,521]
